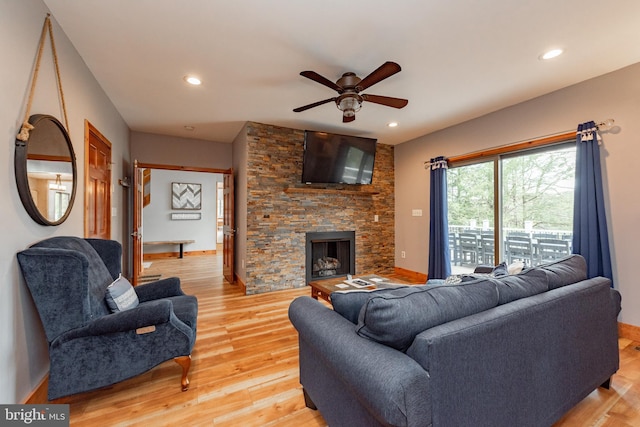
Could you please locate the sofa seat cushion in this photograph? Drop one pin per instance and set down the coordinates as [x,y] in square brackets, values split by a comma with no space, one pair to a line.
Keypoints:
[349,303]
[565,271]
[394,318]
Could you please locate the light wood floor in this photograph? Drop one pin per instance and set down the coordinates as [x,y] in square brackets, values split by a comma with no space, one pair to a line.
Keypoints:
[245,368]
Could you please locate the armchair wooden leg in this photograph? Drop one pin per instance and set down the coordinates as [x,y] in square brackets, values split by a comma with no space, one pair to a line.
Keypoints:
[185,362]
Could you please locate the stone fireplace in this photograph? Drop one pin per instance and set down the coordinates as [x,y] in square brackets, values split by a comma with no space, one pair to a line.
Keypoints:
[329,254]
[275,211]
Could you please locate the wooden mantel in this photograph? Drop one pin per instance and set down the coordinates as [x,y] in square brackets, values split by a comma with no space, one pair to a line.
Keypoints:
[317,190]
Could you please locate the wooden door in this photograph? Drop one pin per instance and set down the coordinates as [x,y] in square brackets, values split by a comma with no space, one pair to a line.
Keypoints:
[97,200]
[136,235]
[228,229]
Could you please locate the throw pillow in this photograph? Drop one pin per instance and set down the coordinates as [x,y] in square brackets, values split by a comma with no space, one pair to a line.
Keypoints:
[500,270]
[121,296]
[394,318]
[482,272]
[453,279]
[515,267]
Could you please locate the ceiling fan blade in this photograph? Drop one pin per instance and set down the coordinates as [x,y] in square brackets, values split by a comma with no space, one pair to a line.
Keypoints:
[387,69]
[386,100]
[322,80]
[346,119]
[315,104]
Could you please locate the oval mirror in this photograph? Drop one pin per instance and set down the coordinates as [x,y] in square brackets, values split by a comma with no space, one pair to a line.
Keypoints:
[45,167]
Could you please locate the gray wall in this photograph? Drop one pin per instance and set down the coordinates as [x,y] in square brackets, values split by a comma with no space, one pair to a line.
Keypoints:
[613,95]
[23,346]
[171,150]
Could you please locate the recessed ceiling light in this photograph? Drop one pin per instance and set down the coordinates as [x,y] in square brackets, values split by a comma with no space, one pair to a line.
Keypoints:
[551,54]
[392,124]
[192,80]
[189,128]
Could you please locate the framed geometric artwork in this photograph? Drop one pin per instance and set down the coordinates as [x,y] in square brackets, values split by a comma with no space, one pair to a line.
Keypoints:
[186,196]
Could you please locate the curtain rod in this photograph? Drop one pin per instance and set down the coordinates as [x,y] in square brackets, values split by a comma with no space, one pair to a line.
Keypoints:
[603,126]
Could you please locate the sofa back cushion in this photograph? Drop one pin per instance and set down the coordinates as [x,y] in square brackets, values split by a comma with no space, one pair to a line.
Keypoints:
[525,284]
[394,318]
[349,303]
[565,271]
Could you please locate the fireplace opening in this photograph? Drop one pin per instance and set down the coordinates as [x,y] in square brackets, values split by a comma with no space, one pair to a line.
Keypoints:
[330,254]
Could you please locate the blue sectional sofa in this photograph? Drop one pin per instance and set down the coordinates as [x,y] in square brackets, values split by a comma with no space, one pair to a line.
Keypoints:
[520,350]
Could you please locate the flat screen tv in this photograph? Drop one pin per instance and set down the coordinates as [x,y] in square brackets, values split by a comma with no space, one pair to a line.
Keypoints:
[341,159]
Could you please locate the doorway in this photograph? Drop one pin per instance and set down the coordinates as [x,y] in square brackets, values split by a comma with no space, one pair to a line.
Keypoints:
[182,208]
[97,195]
[191,215]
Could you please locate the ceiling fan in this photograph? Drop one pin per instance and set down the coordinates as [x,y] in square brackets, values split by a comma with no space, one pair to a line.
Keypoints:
[349,86]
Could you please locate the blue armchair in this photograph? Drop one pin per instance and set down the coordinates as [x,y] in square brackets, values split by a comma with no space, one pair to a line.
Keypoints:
[90,347]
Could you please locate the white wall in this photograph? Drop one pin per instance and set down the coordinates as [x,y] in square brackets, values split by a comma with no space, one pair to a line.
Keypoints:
[156,216]
[23,346]
[615,95]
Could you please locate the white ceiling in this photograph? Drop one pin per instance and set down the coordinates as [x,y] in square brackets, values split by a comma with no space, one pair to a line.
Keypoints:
[460,59]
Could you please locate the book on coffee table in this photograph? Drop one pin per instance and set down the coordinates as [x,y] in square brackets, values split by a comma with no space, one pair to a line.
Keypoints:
[373,280]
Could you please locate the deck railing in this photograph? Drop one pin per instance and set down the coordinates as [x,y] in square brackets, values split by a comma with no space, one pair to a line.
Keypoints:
[470,246]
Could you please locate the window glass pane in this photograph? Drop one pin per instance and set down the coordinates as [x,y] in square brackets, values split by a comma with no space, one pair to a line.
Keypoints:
[471,198]
[537,205]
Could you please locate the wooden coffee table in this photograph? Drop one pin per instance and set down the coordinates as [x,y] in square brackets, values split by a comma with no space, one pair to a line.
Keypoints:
[323,288]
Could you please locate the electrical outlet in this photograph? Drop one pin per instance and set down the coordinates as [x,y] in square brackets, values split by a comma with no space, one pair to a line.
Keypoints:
[375,218]
[403,254]
[242,262]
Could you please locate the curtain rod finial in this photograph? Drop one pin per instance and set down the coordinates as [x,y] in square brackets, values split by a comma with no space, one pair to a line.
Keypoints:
[605,124]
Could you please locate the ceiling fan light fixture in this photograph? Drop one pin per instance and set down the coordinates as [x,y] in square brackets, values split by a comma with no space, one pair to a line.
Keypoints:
[349,104]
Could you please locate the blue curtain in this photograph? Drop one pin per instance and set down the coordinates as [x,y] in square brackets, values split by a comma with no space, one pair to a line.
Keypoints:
[590,238]
[439,257]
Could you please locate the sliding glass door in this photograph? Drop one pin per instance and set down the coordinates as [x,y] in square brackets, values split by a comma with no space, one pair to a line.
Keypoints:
[515,207]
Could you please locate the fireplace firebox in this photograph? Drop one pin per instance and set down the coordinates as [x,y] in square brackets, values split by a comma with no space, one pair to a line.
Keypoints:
[330,254]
